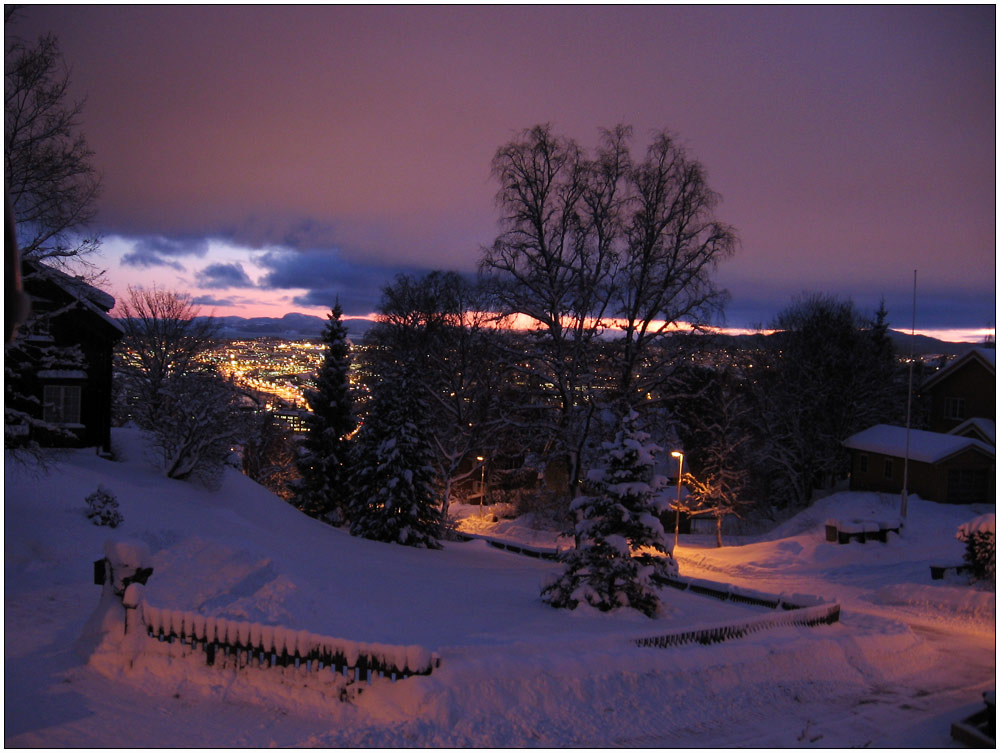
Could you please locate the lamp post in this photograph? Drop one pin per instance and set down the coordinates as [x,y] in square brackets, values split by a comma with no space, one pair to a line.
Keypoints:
[482,483]
[677,502]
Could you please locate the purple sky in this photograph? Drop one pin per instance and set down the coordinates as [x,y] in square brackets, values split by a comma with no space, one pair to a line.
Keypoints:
[268,159]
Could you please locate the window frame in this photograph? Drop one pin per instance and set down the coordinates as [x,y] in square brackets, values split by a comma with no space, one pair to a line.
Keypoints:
[62,404]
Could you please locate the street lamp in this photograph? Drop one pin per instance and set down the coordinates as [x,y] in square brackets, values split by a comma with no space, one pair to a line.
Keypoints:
[482,483]
[677,502]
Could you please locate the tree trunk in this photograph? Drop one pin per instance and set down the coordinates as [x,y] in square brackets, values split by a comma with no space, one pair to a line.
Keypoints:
[718,530]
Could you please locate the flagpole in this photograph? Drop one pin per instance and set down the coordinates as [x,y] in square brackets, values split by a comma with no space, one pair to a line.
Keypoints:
[909,402]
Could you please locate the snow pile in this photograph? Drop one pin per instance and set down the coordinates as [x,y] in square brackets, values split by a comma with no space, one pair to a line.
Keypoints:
[982,524]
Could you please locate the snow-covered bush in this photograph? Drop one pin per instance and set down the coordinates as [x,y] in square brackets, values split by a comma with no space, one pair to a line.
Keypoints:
[102,508]
[198,425]
[979,536]
[620,541]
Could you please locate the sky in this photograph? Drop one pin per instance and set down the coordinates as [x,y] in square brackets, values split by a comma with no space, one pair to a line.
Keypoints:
[272,159]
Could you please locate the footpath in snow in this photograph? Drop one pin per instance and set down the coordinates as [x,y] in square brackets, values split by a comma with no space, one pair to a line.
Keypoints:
[909,655]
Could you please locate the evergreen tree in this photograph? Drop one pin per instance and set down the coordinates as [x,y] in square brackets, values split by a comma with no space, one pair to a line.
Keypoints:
[392,476]
[322,490]
[622,544]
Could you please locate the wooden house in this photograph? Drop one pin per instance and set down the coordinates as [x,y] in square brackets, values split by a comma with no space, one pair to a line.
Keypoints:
[965,388]
[942,467]
[60,363]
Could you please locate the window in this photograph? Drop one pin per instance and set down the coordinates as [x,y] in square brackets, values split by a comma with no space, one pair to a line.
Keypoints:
[863,463]
[62,404]
[887,469]
[967,485]
[954,408]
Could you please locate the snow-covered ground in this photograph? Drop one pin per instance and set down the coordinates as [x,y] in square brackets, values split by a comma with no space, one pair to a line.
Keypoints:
[909,656]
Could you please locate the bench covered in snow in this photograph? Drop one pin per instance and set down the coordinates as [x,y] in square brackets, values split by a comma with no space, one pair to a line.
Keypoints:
[939,571]
[842,531]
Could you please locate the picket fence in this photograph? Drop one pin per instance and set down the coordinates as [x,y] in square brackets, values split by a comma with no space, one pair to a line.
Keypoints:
[243,644]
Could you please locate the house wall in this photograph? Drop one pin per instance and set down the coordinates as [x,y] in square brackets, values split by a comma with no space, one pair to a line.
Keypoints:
[929,481]
[96,338]
[95,406]
[973,383]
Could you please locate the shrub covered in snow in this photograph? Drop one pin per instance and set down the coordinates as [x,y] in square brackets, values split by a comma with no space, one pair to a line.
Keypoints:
[979,536]
[620,541]
[102,508]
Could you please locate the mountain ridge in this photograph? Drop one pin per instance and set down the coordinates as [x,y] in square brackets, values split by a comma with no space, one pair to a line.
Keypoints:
[294,325]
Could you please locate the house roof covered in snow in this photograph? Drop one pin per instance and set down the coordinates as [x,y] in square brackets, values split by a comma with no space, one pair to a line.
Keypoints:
[925,446]
[93,299]
[981,426]
[986,356]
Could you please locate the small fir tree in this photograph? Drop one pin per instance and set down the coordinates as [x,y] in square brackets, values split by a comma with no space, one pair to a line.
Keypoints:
[392,480]
[622,545]
[102,508]
[322,490]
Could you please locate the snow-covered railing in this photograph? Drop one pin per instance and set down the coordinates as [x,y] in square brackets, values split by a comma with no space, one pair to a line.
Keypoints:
[242,644]
[728,592]
[824,614]
[236,643]
[538,552]
[797,609]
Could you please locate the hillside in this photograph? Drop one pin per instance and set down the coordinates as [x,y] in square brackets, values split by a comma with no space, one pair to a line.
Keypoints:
[514,672]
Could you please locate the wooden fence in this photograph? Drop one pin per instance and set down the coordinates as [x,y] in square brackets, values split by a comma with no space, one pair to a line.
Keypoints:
[243,644]
[824,614]
[123,573]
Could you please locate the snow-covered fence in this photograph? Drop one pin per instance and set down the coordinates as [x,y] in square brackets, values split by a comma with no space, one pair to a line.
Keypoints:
[236,643]
[538,552]
[824,614]
[243,644]
[727,592]
[797,609]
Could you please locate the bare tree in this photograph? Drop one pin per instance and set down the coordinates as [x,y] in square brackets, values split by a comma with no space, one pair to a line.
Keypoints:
[592,244]
[542,268]
[672,245]
[187,407]
[269,455]
[51,191]
[718,432]
[50,179]
[164,336]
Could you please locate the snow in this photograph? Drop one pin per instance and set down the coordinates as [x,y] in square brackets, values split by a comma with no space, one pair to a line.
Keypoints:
[925,446]
[985,426]
[982,524]
[908,657]
[62,374]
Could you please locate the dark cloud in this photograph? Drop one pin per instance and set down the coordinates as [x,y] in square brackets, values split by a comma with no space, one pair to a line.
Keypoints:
[328,277]
[299,233]
[208,300]
[151,251]
[224,276]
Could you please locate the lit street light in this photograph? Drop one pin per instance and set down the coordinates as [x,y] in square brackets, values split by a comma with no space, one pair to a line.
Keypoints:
[677,502]
[482,483]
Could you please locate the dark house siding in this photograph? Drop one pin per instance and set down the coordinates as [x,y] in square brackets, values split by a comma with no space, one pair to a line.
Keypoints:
[966,390]
[80,322]
[967,476]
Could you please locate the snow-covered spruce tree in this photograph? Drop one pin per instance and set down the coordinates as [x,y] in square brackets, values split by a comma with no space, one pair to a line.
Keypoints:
[322,490]
[622,544]
[393,494]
